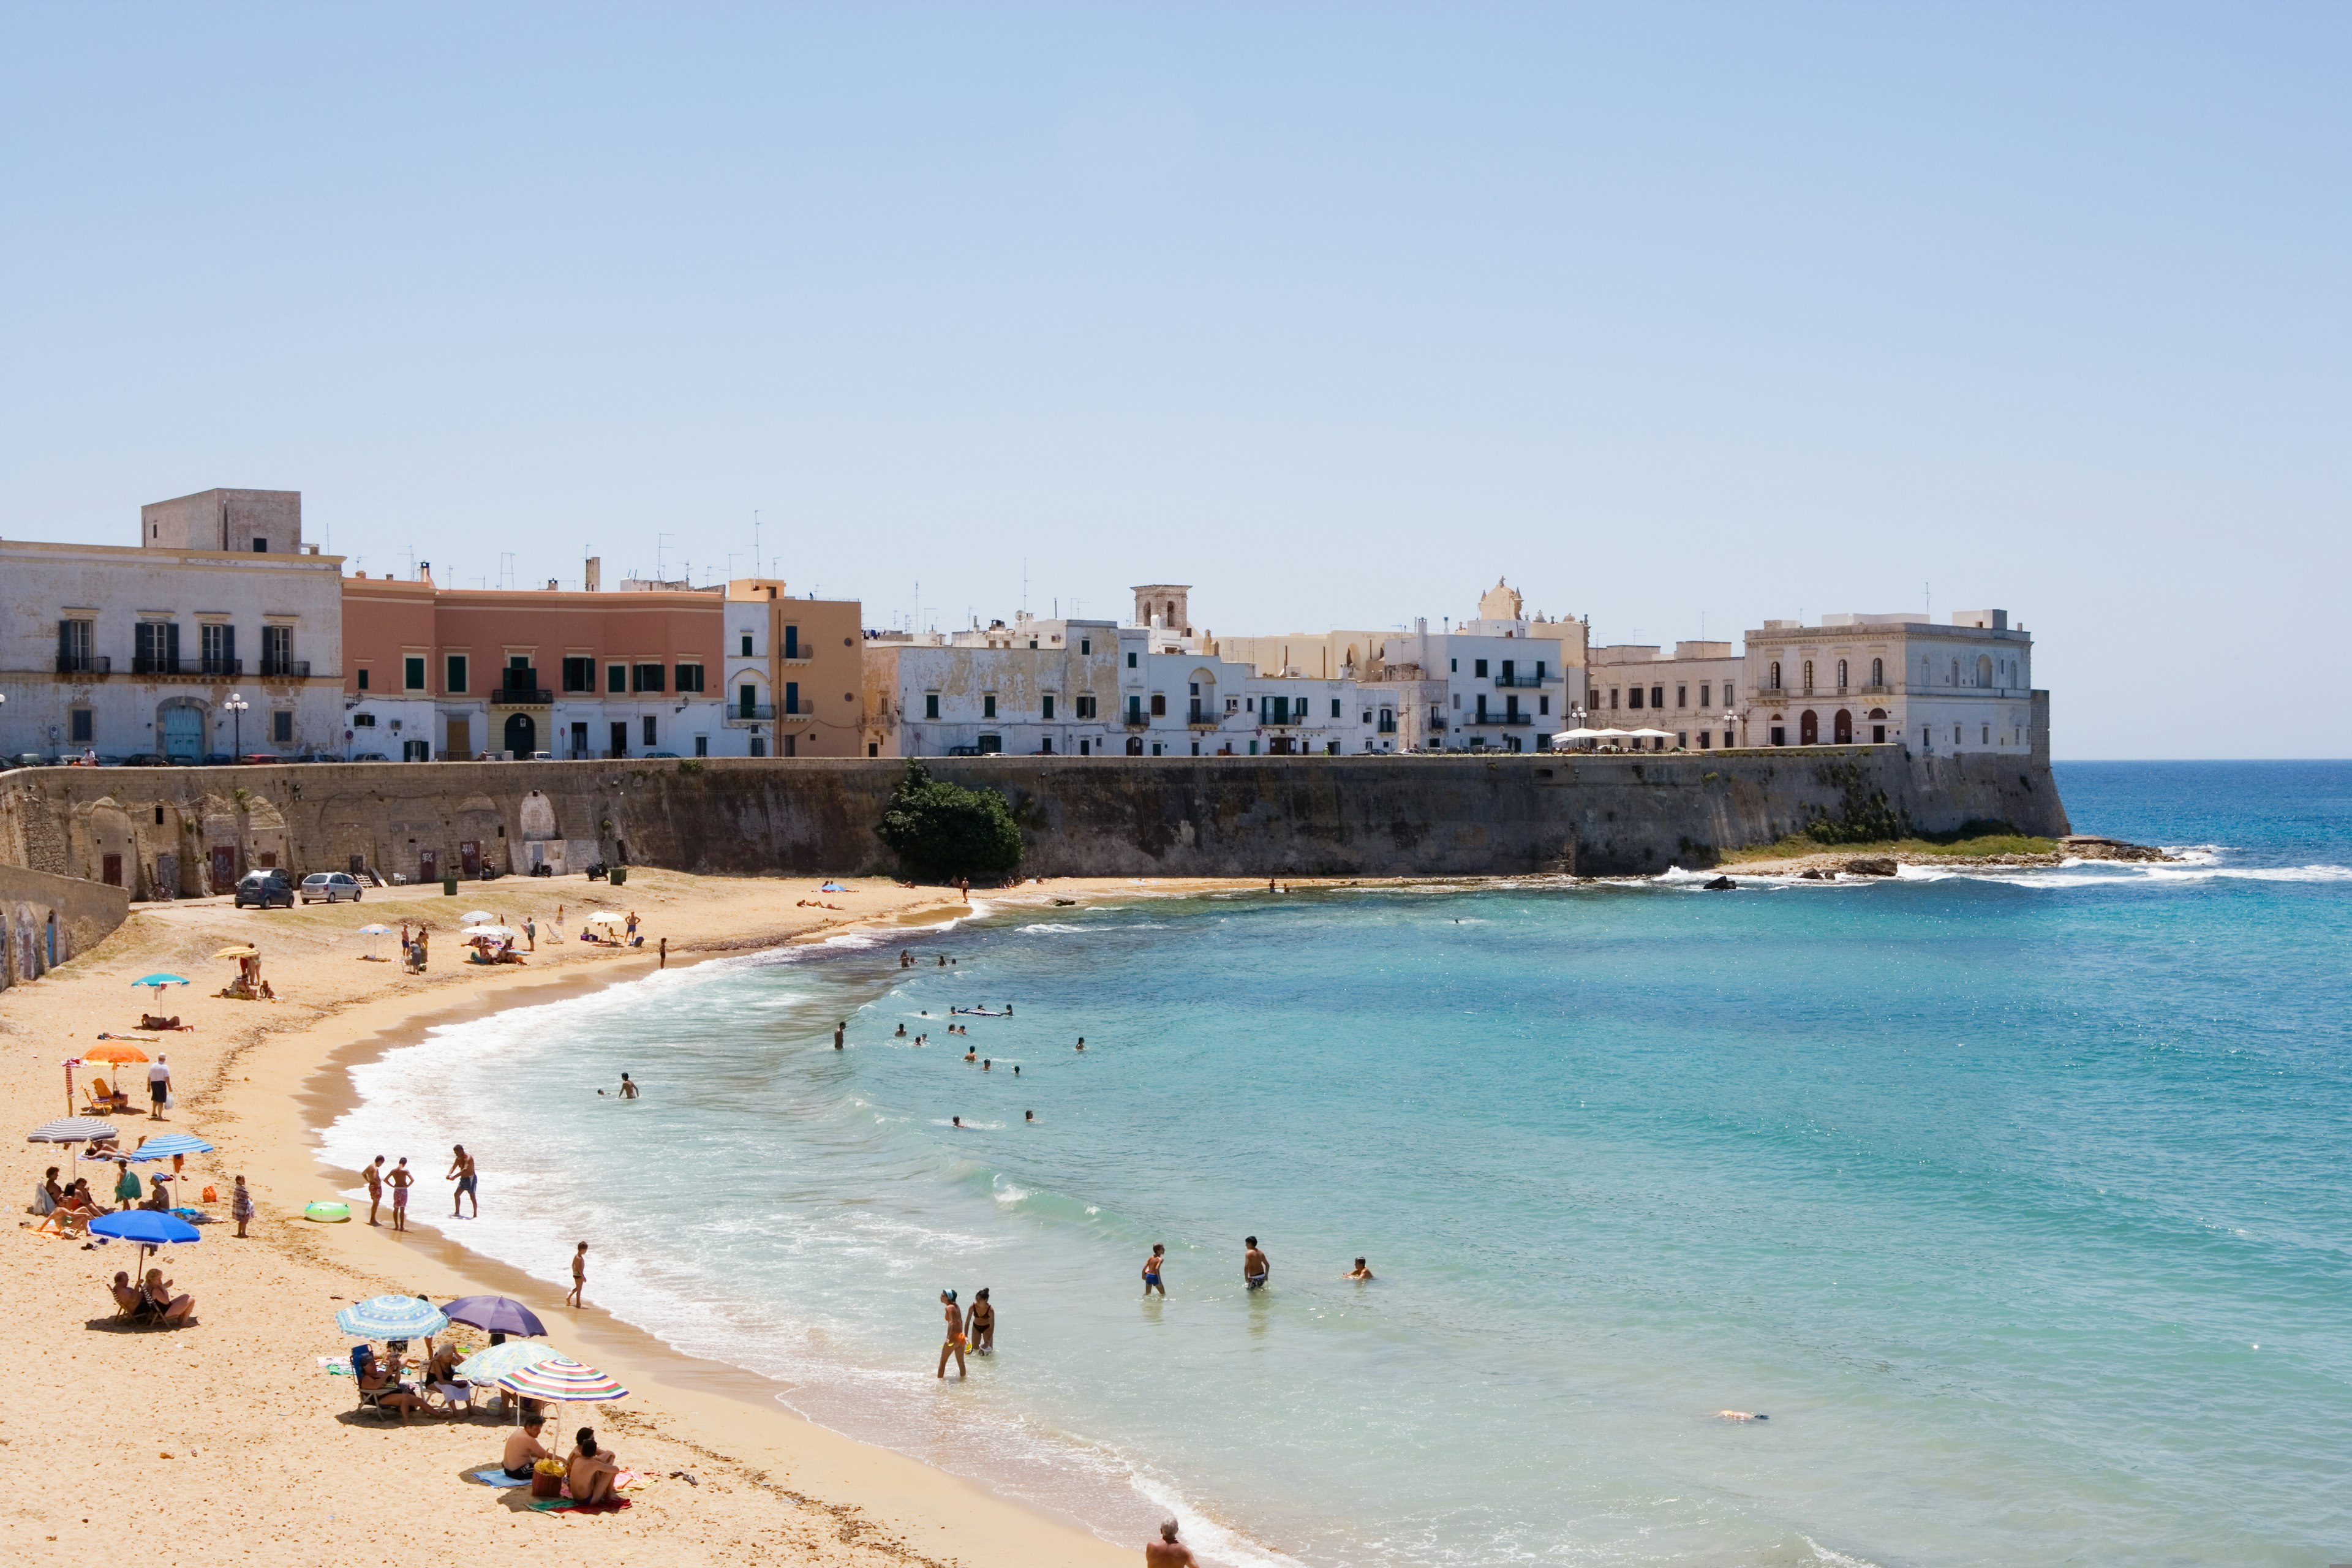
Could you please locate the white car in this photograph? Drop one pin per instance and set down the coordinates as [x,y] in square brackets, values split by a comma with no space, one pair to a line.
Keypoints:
[332,885]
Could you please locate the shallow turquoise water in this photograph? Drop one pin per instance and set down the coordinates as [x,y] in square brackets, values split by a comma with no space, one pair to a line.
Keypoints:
[2017,1201]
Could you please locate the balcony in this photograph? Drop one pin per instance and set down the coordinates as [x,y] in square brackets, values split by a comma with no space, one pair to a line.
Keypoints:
[1525,680]
[172,667]
[1136,719]
[751,713]
[522,697]
[788,714]
[1488,720]
[1201,718]
[219,667]
[88,665]
[285,669]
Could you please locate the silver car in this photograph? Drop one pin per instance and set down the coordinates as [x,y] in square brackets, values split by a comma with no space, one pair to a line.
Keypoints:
[332,885]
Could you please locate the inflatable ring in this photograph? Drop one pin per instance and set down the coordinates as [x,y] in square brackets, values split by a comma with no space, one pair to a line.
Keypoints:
[327,1213]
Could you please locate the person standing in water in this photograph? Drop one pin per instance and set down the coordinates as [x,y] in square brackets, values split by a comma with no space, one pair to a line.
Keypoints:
[628,1087]
[461,1170]
[400,1180]
[983,1324]
[954,1344]
[1167,1552]
[1152,1271]
[1255,1269]
[839,1031]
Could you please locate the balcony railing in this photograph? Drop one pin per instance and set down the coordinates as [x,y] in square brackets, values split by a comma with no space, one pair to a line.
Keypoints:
[1522,679]
[1136,719]
[522,697]
[91,664]
[1493,719]
[221,666]
[751,713]
[285,669]
[1205,718]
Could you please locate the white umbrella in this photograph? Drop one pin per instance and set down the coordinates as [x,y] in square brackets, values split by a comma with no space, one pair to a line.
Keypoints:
[493,933]
[476,917]
[372,932]
[608,918]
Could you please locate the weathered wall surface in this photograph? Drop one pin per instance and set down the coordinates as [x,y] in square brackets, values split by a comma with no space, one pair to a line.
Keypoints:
[46,919]
[184,829]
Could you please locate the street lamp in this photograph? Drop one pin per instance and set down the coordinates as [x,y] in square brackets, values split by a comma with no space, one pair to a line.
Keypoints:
[236,705]
[1730,734]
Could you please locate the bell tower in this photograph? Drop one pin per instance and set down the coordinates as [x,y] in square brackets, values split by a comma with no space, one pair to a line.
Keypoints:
[1166,606]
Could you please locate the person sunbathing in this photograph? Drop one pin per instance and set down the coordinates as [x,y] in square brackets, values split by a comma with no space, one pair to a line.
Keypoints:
[590,1471]
[180,1308]
[388,1389]
[129,1298]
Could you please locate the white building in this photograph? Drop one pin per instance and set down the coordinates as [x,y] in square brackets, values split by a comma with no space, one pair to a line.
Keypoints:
[219,631]
[1694,692]
[1966,687]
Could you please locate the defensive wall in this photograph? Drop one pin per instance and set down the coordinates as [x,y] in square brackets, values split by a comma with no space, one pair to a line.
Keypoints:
[184,831]
[45,918]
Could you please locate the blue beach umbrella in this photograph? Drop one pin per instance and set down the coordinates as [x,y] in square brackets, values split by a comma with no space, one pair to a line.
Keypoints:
[169,1144]
[146,1227]
[159,981]
[496,1314]
[391,1317]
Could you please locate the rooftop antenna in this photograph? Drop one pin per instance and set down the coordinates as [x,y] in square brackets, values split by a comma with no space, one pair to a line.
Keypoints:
[1928,590]
[755,544]
[1024,585]
[658,539]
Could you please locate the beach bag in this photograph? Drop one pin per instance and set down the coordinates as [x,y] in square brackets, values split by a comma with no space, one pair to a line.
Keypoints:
[211,1196]
[170,1101]
[546,1482]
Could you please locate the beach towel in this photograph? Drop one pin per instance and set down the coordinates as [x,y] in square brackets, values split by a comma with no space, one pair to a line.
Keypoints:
[496,1476]
[334,1368]
[565,1504]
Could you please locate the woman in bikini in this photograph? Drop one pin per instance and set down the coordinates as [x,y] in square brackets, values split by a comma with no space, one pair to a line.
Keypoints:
[955,1343]
[983,1324]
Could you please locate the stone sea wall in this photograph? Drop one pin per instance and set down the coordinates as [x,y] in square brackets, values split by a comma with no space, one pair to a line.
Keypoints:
[47,919]
[184,831]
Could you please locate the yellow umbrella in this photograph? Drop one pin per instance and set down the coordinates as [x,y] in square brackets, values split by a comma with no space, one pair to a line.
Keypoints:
[238,952]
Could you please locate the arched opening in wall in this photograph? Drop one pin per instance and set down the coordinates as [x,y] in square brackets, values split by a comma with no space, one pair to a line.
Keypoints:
[1984,669]
[1840,674]
[521,735]
[1809,728]
[1135,746]
[1841,727]
[1809,674]
[1775,675]
[1877,672]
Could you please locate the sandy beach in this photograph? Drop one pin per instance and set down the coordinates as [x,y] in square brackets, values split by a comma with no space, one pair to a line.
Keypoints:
[227,1441]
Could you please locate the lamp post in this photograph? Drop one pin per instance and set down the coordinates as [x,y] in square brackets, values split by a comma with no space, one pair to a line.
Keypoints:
[1575,717]
[1730,733]
[236,705]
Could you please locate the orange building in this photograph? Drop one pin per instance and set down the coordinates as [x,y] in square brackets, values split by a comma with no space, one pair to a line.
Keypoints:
[794,682]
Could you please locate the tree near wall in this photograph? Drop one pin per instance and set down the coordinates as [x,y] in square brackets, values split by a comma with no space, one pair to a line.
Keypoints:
[940,831]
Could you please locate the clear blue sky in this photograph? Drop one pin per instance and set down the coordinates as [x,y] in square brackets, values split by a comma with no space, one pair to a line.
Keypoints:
[1675,315]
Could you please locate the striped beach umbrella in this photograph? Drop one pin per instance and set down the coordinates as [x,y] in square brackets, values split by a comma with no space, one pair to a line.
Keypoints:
[391,1317]
[491,1365]
[169,1144]
[559,1379]
[71,1130]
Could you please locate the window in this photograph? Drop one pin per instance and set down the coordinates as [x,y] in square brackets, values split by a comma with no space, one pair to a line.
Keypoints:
[1335,708]
[792,642]
[579,675]
[412,674]
[217,643]
[1453,666]
[1878,672]
[690,678]
[1703,735]
[1809,674]
[792,697]
[1704,701]
[1543,703]
[261,547]
[1086,707]
[158,649]
[1612,698]
[1682,696]
[617,679]
[1840,674]
[1657,696]
[457,681]
[1130,661]
[81,726]
[702,746]
[363,678]
[1955,734]
[1134,709]
[1158,704]
[747,645]
[646,677]
[1085,645]
[1987,733]
[1046,703]
[281,728]
[278,650]
[649,724]
[73,647]
[1540,669]
[363,721]
[931,704]
[1477,667]
[1774,681]
[987,704]
[1632,697]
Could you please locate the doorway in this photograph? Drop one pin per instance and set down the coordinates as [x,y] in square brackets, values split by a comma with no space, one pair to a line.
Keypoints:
[429,865]
[1841,727]
[459,743]
[620,738]
[469,855]
[1809,728]
[521,736]
[224,867]
[579,739]
[183,734]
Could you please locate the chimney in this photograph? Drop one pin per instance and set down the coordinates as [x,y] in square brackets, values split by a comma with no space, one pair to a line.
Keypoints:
[550,584]
[594,579]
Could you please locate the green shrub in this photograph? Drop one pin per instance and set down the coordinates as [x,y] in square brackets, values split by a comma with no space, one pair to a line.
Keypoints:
[941,831]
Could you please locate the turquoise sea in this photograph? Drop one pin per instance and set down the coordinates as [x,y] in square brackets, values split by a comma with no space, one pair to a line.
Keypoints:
[2017,1201]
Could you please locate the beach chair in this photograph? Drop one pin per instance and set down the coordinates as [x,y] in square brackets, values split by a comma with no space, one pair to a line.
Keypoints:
[95,1098]
[372,1399]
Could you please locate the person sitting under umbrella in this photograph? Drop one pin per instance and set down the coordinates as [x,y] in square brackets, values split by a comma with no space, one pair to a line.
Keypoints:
[591,1470]
[389,1391]
[523,1450]
[172,1309]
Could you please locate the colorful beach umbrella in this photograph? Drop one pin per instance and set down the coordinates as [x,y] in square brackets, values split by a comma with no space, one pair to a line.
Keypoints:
[146,1227]
[243,950]
[494,1314]
[169,1144]
[491,1365]
[559,1379]
[159,981]
[71,1130]
[391,1317]
[112,1053]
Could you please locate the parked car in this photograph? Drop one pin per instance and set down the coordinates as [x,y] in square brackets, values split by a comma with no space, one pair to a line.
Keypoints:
[262,889]
[335,887]
[262,757]
[27,760]
[658,753]
[370,757]
[218,760]
[143,759]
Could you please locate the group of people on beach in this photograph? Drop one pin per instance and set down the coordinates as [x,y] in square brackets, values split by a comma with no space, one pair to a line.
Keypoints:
[400,1179]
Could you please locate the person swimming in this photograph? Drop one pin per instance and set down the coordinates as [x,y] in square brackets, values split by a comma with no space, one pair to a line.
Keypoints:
[1028,1116]
[1360,1271]
[1741,1416]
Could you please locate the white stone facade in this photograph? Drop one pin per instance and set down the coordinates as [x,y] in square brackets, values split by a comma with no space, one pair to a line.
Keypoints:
[1692,692]
[1853,679]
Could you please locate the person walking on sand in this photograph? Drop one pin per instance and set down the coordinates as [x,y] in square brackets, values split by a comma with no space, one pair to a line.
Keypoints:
[1255,1269]
[1167,1552]
[579,1276]
[954,1345]
[665,953]
[964,886]
[1152,1271]
[400,1180]
[531,932]
[240,1206]
[461,1170]
[158,1087]
[374,1174]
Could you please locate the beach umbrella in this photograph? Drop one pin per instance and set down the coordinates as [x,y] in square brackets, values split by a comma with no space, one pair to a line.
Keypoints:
[499,1361]
[146,1227]
[497,1314]
[560,1380]
[833,887]
[391,1317]
[372,932]
[489,933]
[608,918]
[243,950]
[160,981]
[169,1144]
[71,1130]
[478,916]
[114,1054]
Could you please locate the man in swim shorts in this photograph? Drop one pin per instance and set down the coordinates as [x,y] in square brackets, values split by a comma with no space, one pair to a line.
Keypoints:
[461,1169]
[1152,1271]
[1167,1552]
[954,1344]
[400,1180]
[579,1276]
[523,1450]
[1255,1269]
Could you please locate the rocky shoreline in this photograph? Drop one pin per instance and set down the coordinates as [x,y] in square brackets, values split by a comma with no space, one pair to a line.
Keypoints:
[1830,863]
